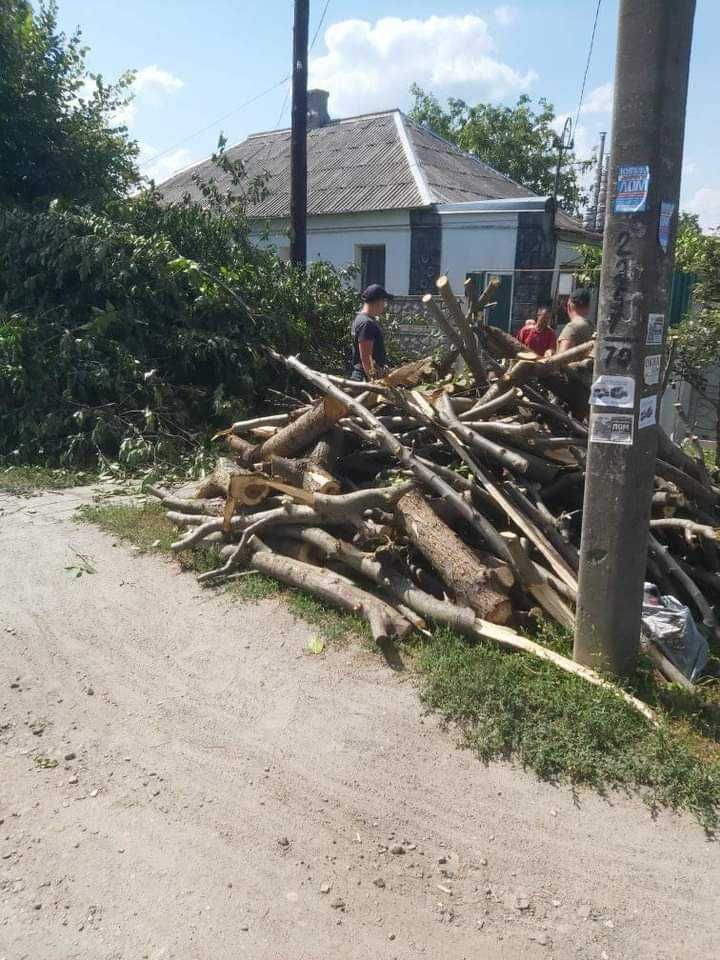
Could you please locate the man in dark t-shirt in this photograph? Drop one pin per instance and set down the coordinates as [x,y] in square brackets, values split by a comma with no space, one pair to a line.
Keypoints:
[368,340]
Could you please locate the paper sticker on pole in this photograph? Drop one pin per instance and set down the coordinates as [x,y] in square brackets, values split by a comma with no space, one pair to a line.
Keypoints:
[612,428]
[651,371]
[631,192]
[655,329]
[647,417]
[608,391]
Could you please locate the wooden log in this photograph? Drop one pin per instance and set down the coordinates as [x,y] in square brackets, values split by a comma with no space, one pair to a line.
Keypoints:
[304,474]
[463,619]
[534,583]
[304,431]
[528,465]
[217,484]
[481,411]
[661,554]
[702,495]
[472,585]
[246,453]
[671,453]
[471,358]
[242,427]
[686,526]
[404,455]
[384,621]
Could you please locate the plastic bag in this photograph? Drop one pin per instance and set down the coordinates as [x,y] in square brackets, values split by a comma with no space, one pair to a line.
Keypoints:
[672,628]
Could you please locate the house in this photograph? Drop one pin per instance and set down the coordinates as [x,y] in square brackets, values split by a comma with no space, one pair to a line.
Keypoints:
[404,206]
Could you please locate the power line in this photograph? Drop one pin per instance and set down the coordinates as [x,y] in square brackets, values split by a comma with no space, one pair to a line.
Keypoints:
[247,103]
[587,64]
[197,133]
[320,23]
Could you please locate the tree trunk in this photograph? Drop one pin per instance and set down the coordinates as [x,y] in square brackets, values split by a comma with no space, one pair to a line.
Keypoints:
[334,589]
[217,484]
[308,427]
[472,584]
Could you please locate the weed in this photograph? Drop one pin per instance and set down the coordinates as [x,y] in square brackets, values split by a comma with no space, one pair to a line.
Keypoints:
[26,481]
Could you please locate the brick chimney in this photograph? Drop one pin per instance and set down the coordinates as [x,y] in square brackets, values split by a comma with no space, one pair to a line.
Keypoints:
[317,111]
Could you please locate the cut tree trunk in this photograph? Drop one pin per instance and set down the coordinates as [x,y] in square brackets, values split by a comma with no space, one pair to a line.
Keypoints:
[301,433]
[217,484]
[472,584]
[333,588]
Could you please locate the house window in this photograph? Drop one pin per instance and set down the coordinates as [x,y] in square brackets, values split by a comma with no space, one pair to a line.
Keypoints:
[372,265]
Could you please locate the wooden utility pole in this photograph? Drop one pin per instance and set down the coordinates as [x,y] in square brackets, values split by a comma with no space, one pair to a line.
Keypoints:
[651,81]
[298,138]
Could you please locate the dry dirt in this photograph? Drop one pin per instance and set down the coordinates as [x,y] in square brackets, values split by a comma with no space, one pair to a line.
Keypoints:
[220,794]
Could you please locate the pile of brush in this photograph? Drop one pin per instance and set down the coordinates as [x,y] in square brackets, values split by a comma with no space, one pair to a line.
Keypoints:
[441,496]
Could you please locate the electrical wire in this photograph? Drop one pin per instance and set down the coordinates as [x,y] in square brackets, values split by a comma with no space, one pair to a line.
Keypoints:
[210,126]
[247,103]
[320,23]
[587,64]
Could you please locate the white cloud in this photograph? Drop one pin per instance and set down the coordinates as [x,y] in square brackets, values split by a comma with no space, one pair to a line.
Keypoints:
[689,168]
[506,15]
[371,66]
[163,167]
[706,204]
[153,79]
[599,100]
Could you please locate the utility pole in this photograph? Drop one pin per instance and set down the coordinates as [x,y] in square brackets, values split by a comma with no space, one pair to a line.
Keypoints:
[298,137]
[651,81]
[565,143]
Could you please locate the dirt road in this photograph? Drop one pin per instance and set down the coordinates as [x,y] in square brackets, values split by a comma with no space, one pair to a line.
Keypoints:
[220,794]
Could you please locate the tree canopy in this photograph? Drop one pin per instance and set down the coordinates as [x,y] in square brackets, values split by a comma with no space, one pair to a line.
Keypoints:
[59,138]
[519,141]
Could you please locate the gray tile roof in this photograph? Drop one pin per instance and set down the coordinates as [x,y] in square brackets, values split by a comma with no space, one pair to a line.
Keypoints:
[378,161]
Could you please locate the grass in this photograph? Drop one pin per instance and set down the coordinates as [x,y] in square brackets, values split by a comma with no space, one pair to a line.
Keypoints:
[510,706]
[26,481]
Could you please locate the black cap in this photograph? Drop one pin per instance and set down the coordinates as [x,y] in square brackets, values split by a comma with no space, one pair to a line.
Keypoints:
[375,291]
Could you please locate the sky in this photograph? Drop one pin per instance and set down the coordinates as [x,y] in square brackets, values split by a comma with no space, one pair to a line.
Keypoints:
[222,66]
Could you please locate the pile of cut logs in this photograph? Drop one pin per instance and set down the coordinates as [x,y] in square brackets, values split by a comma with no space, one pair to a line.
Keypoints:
[447,492]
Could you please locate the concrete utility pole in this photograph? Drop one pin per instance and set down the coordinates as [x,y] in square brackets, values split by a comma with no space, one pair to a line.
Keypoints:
[298,138]
[651,81]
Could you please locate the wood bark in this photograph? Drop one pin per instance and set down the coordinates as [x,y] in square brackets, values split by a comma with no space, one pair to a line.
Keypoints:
[301,433]
[217,484]
[384,621]
[472,584]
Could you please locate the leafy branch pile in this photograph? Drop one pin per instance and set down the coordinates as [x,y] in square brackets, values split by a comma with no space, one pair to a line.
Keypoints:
[127,335]
[425,497]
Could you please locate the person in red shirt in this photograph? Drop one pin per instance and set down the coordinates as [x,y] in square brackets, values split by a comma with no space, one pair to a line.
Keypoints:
[537,335]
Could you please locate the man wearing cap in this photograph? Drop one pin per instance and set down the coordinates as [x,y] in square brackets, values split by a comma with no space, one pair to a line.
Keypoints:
[368,341]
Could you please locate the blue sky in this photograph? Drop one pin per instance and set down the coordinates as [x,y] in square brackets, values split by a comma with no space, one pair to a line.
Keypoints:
[200,63]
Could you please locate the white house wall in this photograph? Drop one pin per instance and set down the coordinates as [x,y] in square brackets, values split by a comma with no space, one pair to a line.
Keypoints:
[335,239]
[477,242]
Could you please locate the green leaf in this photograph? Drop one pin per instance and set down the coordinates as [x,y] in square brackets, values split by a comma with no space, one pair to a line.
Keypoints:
[315,646]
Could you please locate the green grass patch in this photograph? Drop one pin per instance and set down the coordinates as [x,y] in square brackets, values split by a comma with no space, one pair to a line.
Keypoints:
[26,481]
[509,705]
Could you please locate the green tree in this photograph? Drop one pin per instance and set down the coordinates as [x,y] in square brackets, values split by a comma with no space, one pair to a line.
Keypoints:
[58,138]
[697,339]
[519,141]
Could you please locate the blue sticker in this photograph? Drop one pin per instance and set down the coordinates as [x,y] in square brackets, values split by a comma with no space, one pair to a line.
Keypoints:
[632,189]
[666,215]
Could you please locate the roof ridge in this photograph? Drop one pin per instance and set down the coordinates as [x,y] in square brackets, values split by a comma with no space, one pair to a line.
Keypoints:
[418,174]
[331,123]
